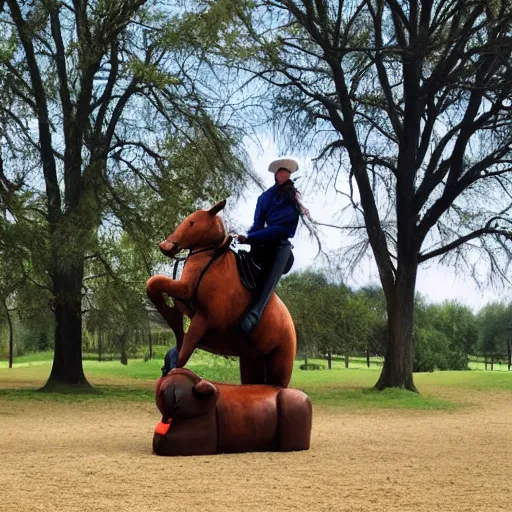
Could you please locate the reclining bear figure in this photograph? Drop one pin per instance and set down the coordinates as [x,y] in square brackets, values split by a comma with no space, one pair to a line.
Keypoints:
[203,418]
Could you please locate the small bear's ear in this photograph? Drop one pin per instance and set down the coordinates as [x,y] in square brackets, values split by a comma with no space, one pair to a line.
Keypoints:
[217,208]
[204,389]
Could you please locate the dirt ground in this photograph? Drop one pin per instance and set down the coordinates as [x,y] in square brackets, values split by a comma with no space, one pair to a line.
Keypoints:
[91,457]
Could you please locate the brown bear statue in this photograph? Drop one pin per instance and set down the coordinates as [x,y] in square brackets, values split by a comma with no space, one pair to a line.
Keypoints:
[203,418]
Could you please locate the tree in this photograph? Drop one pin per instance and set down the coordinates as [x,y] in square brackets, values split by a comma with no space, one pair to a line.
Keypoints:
[329,317]
[459,324]
[107,103]
[377,338]
[18,230]
[302,292]
[121,275]
[12,277]
[357,324]
[495,320]
[349,317]
[413,98]
[444,336]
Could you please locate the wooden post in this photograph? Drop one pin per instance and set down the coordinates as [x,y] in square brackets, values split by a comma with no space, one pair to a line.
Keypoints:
[150,339]
[346,361]
[11,334]
[11,344]
[509,353]
[329,359]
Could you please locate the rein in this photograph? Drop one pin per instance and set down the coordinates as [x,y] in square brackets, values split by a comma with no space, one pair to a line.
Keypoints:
[179,259]
[193,253]
[218,252]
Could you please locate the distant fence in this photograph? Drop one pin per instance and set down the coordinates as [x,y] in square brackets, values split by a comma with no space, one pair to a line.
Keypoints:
[162,342]
[495,362]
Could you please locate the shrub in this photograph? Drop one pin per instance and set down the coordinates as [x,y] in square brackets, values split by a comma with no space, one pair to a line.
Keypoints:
[312,366]
[433,351]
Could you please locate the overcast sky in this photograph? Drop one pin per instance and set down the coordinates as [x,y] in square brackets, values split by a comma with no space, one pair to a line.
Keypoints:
[435,281]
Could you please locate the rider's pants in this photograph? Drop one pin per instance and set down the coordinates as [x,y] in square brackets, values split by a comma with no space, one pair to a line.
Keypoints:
[280,262]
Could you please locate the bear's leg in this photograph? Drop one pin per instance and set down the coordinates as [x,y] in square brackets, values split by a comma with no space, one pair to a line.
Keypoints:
[295,416]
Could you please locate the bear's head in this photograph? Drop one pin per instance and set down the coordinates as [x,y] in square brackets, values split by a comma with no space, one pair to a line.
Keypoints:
[183,394]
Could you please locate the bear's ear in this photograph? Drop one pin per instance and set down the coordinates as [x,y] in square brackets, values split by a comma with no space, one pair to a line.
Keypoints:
[204,389]
[217,208]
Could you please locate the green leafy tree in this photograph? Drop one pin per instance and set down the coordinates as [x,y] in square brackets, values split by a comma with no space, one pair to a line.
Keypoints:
[20,292]
[302,294]
[444,336]
[377,339]
[353,321]
[459,324]
[329,317]
[430,350]
[115,300]
[115,121]
[495,328]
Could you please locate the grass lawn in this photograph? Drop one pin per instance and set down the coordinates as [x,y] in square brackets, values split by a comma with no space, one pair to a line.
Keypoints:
[338,387]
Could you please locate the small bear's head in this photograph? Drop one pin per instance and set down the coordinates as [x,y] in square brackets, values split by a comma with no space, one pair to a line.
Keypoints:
[183,394]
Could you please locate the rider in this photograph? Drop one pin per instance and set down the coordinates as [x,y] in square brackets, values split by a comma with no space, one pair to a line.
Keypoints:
[275,221]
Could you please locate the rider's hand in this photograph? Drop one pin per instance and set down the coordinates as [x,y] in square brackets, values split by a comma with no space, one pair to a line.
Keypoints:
[242,239]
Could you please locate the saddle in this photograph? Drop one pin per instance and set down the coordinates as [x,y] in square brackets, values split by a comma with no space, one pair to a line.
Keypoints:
[249,270]
[252,270]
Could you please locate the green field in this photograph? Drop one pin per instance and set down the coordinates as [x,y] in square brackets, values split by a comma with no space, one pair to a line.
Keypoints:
[338,387]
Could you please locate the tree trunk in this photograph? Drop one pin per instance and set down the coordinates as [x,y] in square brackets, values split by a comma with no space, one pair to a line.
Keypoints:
[397,368]
[509,353]
[150,340]
[122,346]
[329,359]
[346,361]
[11,334]
[485,362]
[368,358]
[492,362]
[306,362]
[100,344]
[67,369]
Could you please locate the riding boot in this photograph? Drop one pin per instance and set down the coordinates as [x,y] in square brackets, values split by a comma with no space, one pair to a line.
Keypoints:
[170,361]
[279,264]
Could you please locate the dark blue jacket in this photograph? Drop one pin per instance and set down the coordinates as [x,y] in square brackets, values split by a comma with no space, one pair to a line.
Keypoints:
[274,219]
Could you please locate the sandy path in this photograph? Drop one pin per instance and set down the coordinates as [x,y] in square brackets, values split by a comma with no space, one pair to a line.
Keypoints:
[88,457]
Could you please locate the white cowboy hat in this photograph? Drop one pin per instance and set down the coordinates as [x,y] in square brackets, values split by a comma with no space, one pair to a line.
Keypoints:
[290,164]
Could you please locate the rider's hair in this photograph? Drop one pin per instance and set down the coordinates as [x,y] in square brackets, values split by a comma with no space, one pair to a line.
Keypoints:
[287,190]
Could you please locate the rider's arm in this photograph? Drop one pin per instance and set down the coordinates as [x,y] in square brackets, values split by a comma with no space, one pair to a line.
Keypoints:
[259,216]
[268,234]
